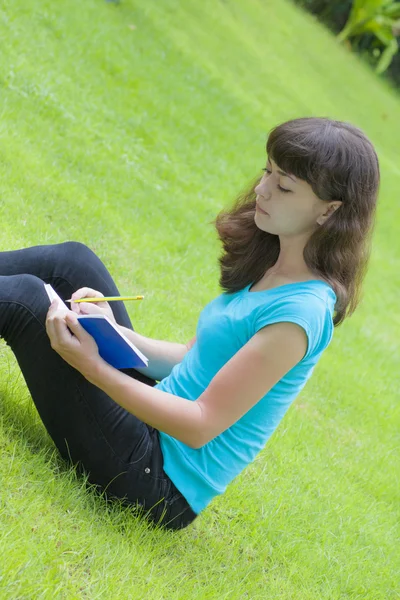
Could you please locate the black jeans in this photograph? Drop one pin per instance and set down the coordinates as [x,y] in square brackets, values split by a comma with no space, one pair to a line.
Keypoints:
[119,453]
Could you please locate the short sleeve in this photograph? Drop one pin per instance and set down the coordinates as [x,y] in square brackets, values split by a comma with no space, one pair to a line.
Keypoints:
[309,311]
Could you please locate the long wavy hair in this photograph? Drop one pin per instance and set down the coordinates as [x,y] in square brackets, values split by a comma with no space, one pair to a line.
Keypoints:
[339,162]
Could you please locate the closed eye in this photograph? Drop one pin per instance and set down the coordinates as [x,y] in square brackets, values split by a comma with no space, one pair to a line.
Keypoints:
[285,191]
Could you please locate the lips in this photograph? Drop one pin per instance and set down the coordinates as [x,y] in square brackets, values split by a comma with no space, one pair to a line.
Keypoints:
[260,209]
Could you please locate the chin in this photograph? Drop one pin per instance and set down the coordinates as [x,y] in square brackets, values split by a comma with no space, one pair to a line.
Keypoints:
[263,226]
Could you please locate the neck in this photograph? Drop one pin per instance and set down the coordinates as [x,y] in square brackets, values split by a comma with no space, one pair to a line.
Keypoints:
[290,261]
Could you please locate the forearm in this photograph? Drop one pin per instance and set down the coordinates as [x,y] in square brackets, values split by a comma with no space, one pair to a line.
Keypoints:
[163,356]
[176,416]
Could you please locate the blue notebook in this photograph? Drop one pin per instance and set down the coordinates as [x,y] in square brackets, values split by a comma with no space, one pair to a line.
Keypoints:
[114,347]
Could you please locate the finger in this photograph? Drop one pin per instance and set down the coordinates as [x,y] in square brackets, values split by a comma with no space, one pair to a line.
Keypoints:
[76,328]
[52,311]
[84,292]
[87,308]
[54,306]
[51,327]
[61,333]
[77,295]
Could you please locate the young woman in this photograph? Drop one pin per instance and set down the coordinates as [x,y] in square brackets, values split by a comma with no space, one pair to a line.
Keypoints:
[295,252]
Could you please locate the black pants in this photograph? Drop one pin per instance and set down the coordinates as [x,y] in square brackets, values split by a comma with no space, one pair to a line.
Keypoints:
[119,453]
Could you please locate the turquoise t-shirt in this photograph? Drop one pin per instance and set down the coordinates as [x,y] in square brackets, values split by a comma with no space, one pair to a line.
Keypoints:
[225,325]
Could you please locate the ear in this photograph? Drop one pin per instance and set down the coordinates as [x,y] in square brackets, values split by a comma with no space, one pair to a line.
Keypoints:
[329,210]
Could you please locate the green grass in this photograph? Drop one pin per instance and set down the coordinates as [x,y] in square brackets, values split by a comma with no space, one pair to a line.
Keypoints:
[128,127]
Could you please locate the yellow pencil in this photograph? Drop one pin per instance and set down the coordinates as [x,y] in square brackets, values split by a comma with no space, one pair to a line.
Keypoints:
[107,299]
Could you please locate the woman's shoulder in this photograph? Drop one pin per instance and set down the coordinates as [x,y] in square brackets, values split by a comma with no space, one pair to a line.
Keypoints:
[309,304]
[287,288]
[272,281]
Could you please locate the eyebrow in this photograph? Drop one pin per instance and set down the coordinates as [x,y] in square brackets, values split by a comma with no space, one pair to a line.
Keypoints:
[286,175]
[292,177]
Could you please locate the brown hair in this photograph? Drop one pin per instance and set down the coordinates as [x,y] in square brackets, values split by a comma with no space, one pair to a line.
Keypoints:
[339,162]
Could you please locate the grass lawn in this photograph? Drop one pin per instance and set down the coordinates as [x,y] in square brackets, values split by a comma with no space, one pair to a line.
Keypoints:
[128,127]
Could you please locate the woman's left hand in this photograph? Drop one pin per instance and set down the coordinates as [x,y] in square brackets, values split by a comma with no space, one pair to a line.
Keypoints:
[77,348]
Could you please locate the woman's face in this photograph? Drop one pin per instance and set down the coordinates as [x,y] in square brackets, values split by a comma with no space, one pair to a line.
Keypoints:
[287,206]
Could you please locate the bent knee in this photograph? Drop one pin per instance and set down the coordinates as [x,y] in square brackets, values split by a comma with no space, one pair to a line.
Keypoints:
[74,250]
[20,287]
[72,257]
[26,291]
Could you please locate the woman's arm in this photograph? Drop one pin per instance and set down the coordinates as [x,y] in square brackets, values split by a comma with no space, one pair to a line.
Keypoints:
[236,388]
[163,356]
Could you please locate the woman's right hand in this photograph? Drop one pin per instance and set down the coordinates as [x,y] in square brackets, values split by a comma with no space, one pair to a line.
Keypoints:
[87,308]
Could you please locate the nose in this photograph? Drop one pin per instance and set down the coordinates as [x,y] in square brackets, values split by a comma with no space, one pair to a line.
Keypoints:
[262,189]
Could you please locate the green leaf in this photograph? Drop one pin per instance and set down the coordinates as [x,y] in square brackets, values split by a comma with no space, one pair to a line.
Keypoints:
[387,56]
[371,16]
[361,13]
[392,10]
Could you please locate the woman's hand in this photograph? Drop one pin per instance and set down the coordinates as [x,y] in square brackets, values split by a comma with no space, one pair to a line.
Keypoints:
[71,341]
[86,308]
